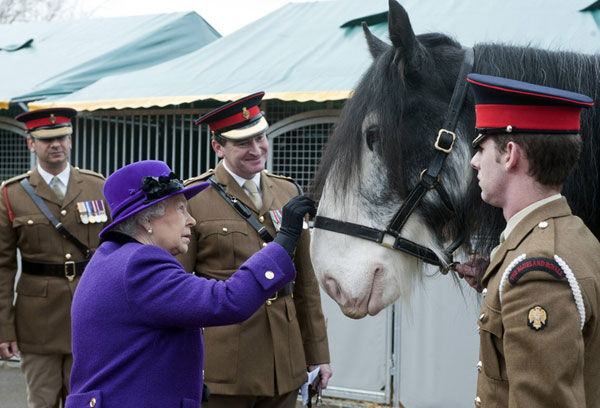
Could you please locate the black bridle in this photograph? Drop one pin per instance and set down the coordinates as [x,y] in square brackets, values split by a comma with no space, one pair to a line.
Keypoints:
[428,180]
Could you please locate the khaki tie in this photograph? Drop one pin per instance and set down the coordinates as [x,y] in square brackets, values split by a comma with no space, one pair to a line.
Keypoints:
[56,188]
[254,194]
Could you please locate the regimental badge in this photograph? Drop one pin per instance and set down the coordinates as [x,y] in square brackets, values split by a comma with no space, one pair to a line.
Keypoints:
[52,118]
[276,218]
[245,113]
[537,318]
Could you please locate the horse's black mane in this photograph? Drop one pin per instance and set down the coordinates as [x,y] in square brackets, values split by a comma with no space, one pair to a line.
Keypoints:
[410,95]
[558,69]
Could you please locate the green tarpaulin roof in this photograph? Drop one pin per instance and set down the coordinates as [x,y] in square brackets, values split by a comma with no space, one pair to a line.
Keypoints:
[298,52]
[316,51]
[39,60]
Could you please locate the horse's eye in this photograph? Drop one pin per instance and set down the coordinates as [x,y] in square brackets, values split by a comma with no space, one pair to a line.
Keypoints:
[372,135]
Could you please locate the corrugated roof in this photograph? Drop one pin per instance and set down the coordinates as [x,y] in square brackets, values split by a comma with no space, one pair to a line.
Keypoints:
[316,51]
[62,57]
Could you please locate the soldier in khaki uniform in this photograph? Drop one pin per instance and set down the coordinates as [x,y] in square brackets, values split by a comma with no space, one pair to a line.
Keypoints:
[539,322]
[38,326]
[261,362]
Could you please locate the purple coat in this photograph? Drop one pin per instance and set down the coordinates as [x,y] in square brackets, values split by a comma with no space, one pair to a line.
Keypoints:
[136,320]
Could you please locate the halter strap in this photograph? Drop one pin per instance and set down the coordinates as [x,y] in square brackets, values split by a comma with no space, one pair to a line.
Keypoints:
[428,180]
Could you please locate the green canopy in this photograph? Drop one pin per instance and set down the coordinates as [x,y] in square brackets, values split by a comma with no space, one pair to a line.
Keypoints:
[299,52]
[317,51]
[39,60]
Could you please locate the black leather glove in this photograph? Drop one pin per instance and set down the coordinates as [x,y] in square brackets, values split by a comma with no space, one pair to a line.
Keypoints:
[291,222]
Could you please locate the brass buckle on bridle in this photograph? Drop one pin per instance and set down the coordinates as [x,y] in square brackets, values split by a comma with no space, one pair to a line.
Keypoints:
[437,141]
[70,267]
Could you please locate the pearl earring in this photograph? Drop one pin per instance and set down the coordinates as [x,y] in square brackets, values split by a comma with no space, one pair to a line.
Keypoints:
[150,231]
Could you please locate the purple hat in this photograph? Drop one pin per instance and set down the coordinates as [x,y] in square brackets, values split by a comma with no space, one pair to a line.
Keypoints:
[140,185]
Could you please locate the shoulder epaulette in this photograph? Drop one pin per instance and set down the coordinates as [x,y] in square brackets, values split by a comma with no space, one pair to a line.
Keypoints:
[279,176]
[202,177]
[15,178]
[291,180]
[90,173]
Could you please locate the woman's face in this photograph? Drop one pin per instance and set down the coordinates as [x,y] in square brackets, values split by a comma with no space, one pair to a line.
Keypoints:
[172,230]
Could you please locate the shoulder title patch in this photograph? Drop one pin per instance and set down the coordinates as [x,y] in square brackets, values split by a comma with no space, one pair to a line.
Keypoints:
[536,264]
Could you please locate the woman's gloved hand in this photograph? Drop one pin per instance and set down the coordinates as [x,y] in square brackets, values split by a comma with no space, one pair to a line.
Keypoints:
[291,222]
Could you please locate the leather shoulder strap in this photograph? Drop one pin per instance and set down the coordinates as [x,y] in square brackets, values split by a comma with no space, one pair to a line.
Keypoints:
[242,210]
[57,224]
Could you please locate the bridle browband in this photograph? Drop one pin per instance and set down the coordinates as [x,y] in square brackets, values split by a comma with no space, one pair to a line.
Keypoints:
[429,179]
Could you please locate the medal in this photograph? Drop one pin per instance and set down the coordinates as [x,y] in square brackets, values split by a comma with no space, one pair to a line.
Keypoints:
[276,218]
[103,216]
[90,211]
[83,214]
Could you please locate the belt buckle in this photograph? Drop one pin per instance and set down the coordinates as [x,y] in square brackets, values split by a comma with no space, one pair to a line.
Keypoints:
[70,266]
[272,299]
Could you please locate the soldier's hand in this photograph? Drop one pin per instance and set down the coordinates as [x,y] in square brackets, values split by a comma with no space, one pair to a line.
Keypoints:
[473,270]
[292,219]
[293,214]
[9,349]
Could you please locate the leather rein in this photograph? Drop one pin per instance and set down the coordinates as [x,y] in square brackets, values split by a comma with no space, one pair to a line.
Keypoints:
[428,180]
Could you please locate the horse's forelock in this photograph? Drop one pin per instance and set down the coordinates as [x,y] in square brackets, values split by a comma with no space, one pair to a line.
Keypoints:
[372,94]
[382,90]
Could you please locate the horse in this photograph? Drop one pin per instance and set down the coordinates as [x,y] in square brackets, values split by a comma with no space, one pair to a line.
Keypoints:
[394,184]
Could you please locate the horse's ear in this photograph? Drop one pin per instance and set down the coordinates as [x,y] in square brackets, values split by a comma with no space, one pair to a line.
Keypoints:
[401,32]
[376,46]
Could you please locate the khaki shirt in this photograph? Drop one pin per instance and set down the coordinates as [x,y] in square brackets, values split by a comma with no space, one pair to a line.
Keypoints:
[533,350]
[267,354]
[41,321]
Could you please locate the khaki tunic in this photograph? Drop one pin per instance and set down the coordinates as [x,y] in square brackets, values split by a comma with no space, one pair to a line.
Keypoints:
[267,354]
[556,364]
[41,320]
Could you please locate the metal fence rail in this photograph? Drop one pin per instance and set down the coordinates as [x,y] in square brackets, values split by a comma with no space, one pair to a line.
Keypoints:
[14,156]
[104,141]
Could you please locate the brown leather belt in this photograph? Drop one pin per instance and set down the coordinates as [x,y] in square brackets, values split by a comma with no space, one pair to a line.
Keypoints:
[67,270]
[287,290]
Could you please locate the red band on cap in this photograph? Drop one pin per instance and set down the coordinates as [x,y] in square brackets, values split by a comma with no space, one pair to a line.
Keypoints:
[36,123]
[232,120]
[528,117]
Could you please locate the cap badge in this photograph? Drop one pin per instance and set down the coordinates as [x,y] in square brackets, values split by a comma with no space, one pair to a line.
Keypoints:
[52,118]
[509,129]
[245,113]
[537,318]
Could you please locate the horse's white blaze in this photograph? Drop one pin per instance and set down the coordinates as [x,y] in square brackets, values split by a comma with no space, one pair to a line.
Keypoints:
[362,276]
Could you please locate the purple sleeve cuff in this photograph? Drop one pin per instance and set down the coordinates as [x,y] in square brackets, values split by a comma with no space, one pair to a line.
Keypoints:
[272,267]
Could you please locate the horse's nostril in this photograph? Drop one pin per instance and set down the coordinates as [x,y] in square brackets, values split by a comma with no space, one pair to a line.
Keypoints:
[333,288]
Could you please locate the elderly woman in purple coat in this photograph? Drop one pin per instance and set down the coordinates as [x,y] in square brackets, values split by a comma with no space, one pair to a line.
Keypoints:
[137,316]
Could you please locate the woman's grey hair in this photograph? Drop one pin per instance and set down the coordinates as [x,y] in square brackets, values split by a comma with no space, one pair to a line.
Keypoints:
[131,226]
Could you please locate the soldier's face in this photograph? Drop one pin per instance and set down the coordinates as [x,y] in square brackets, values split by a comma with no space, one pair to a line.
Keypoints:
[52,153]
[488,162]
[172,231]
[245,158]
